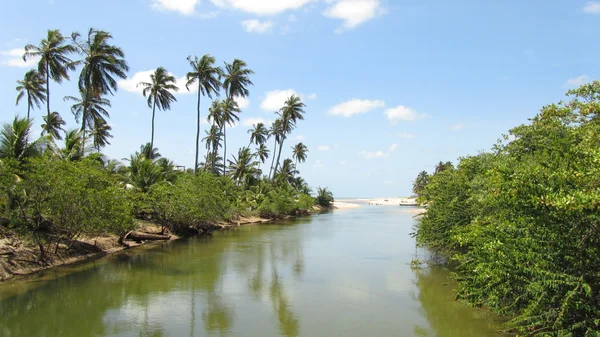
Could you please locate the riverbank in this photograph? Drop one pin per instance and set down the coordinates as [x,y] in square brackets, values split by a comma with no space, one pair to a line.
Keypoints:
[18,257]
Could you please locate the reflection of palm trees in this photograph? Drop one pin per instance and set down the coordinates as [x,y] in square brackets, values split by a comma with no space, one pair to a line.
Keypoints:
[217,316]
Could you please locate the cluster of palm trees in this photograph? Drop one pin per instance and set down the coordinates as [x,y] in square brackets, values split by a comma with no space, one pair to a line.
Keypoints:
[102,64]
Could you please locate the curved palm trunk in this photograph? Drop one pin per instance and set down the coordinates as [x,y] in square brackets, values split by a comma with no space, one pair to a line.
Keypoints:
[152,139]
[273,160]
[197,133]
[83,130]
[279,154]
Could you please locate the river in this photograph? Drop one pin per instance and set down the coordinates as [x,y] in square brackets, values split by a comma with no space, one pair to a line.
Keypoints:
[345,273]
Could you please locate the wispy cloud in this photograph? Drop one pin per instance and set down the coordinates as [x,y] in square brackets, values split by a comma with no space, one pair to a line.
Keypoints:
[353,12]
[355,106]
[185,7]
[342,162]
[402,113]
[323,148]
[576,81]
[393,147]
[250,121]
[318,164]
[275,99]
[14,58]
[257,26]
[261,7]
[457,126]
[592,7]
[405,135]
[373,155]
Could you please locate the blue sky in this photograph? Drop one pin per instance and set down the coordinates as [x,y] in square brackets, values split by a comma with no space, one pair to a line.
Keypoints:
[391,87]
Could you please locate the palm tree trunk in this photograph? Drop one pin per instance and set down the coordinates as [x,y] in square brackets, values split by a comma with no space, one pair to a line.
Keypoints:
[197,132]
[47,91]
[152,139]
[28,105]
[83,130]
[273,160]
[279,154]
[224,148]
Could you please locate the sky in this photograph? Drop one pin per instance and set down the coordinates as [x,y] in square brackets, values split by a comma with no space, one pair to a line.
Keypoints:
[390,87]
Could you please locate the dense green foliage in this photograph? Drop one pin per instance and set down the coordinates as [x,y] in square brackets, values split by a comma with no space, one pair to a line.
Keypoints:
[54,190]
[324,197]
[521,222]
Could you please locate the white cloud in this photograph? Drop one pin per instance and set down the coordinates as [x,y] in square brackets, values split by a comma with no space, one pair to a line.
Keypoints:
[393,147]
[323,148]
[14,58]
[405,135]
[373,155]
[353,12]
[388,182]
[576,81]
[592,7]
[457,126]
[185,7]
[342,162]
[257,26]
[300,137]
[275,99]
[255,120]
[242,102]
[402,113]
[355,106]
[312,97]
[131,84]
[262,7]
[318,164]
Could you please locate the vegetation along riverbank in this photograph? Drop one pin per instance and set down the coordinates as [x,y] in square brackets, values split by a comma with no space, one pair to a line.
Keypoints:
[520,222]
[59,194]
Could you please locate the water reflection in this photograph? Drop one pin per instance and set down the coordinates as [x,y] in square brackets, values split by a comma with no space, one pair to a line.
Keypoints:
[322,276]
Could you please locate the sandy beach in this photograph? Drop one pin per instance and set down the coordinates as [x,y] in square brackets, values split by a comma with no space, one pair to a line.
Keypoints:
[344,205]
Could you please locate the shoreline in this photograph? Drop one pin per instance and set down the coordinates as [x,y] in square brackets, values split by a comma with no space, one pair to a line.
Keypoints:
[19,259]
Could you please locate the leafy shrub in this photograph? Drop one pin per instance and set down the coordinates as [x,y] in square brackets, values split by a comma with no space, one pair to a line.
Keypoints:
[324,197]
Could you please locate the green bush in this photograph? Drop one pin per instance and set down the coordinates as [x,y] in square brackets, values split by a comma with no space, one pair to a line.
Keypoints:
[324,197]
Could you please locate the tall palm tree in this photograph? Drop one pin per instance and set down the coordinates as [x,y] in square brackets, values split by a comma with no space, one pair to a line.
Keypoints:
[292,111]
[299,153]
[276,132]
[101,64]
[215,113]
[228,116]
[101,133]
[31,85]
[244,168]
[212,140]
[16,143]
[89,108]
[287,172]
[262,153]
[258,134]
[54,62]
[209,81]
[237,79]
[158,92]
[148,152]
[52,126]
[74,144]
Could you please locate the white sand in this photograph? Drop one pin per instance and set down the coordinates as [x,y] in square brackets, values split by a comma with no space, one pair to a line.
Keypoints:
[344,205]
[387,201]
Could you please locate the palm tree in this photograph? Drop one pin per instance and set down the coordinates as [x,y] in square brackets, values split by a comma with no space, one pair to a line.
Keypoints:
[101,64]
[237,79]
[53,125]
[287,172]
[15,140]
[262,153]
[229,116]
[158,92]
[54,62]
[276,132]
[258,134]
[299,152]
[209,81]
[148,152]
[213,141]
[31,85]
[89,108]
[101,133]
[74,144]
[292,111]
[244,168]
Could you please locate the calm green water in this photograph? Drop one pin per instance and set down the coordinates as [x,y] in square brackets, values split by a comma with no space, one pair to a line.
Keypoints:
[340,274]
